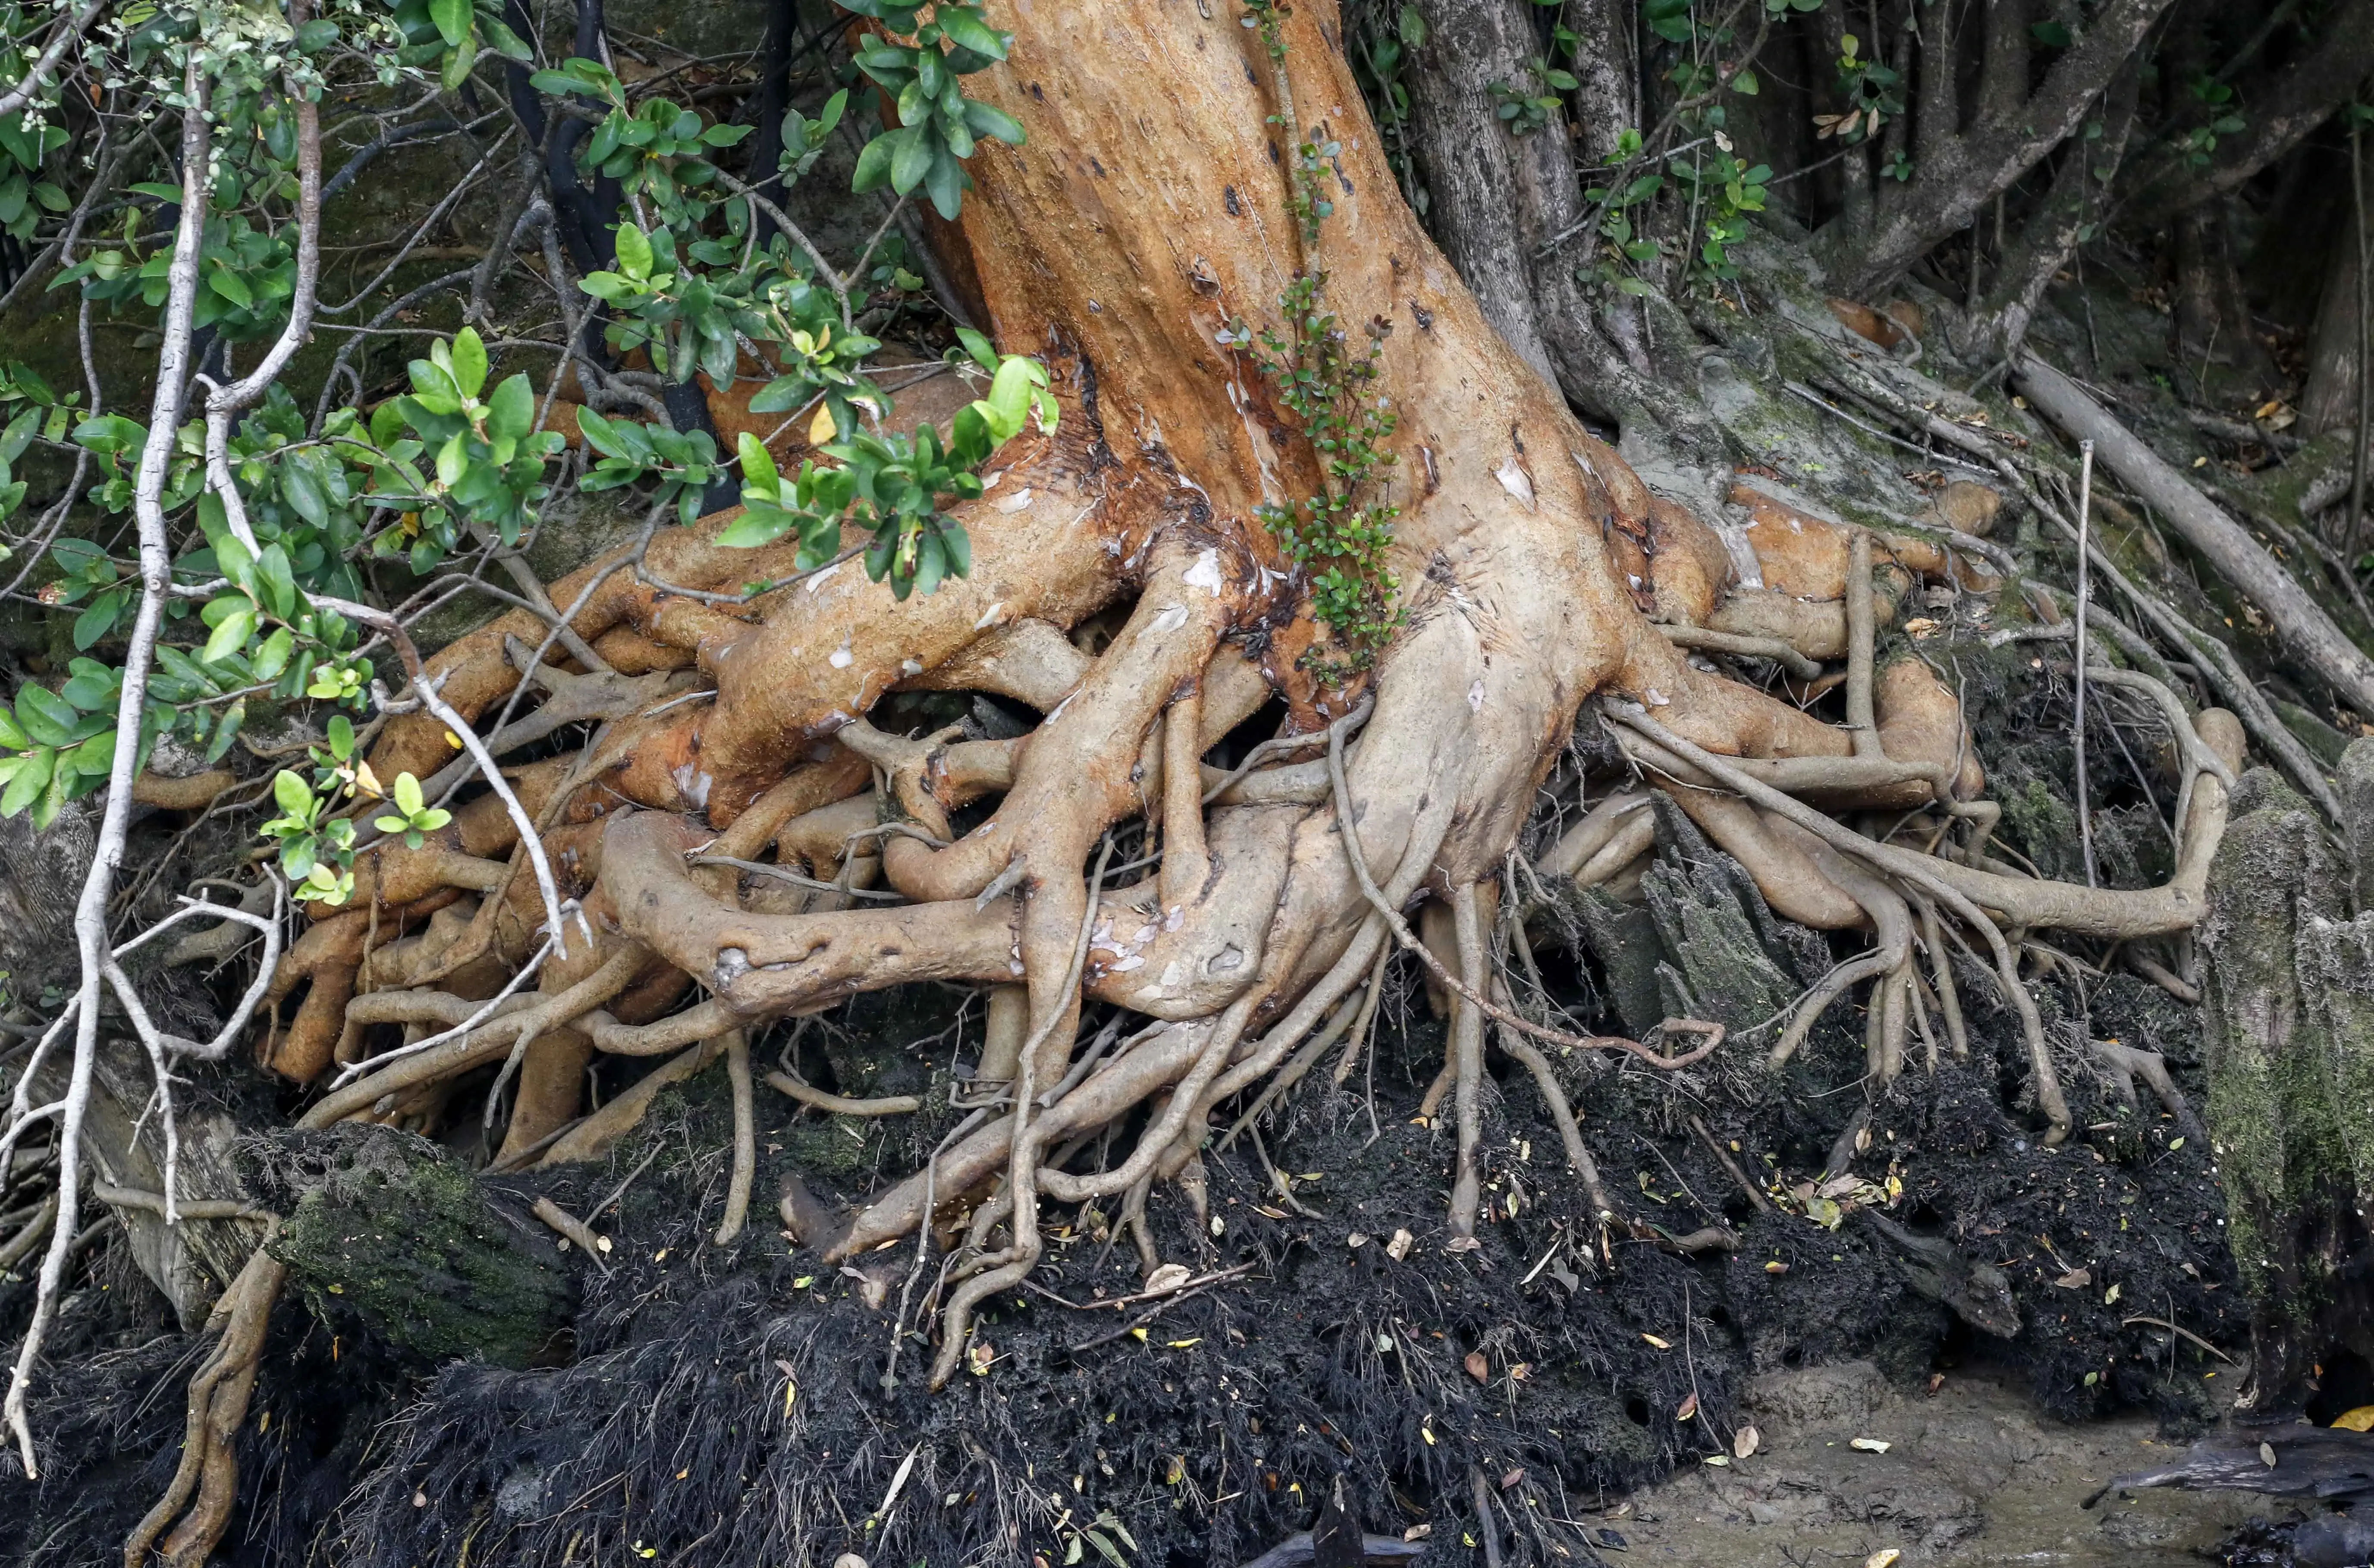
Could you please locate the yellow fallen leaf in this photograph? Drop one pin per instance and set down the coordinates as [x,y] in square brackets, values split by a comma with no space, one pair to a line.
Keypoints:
[1659,1343]
[1870,1445]
[1186,1344]
[1884,1558]
[2359,1419]
[821,428]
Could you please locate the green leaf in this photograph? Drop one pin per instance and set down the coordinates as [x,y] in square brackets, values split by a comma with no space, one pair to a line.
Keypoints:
[757,462]
[93,758]
[407,795]
[946,181]
[302,487]
[99,621]
[229,637]
[234,719]
[760,524]
[341,737]
[230,286]
[12,735]
[47,717]
[93,687]
[872,169]
[984,352]
[295,796]
[452,20]
[1746,82]
[964,27]
[272,657]
[911,160]
[469,361]
[27,776]
[511,410]
[987,120]
[634,252]
[19,435]
[1010,396]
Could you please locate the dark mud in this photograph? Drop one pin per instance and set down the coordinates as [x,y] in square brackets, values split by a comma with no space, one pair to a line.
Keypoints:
[726,1405]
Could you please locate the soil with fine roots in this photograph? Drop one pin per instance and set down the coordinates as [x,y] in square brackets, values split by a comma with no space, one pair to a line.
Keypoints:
[727,1404]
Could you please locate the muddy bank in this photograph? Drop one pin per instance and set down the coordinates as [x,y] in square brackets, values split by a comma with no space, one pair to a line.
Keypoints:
[1973,1475]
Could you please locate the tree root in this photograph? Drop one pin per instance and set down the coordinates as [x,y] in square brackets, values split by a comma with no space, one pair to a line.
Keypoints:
[746,1141]
[1121,589]
[218,1404]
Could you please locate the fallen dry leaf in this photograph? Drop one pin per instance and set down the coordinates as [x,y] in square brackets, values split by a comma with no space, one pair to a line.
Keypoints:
[1477,1367]
[1884,1558]
[1167,1278]
[1398,1248]
[2076,1279]
[1870,1445]
[1689,1408]
[1661,1344]
[1746,1441]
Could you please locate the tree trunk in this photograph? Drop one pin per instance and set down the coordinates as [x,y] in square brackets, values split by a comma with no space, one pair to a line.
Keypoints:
[2003,142]
[2075,201]
[2288,994]
[2329,398]
[1505,208]
[2281,112]
[1607,67]
[1482,180]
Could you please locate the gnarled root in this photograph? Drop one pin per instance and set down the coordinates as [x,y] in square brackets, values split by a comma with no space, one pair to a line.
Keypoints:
[788,843]
[218,1404]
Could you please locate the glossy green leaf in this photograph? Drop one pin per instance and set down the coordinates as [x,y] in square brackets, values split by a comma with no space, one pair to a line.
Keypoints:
[27,776]
[45,716]
[469,361]
[229,636]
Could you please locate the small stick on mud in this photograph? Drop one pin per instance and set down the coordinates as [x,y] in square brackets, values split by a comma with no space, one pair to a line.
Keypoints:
[1482,1491]
[571,1228]
[2182,1333]
[1723,1157]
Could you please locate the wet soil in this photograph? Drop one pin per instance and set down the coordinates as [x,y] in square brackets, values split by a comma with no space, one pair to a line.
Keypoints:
[1974,1476]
